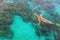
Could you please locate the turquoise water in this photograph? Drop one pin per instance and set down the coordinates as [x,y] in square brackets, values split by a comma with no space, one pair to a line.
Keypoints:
[22,30]
[57,9]
[25,31]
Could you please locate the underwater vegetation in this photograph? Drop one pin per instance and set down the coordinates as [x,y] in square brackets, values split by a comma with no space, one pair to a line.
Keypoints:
[5,22]
[41,24]
[5,31]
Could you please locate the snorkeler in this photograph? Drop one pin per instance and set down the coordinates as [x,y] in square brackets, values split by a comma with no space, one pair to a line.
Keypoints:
[42,19]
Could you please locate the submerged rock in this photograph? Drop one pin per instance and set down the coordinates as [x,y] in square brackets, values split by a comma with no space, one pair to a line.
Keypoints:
[5,31]
[5,18]
[5,22]
[47,6]
[55,16]
[45,29]
[23,10]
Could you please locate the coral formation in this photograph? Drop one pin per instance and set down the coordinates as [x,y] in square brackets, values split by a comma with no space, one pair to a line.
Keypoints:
[55,16]
[23,10]
[5,31]
[5,22]
[5,18]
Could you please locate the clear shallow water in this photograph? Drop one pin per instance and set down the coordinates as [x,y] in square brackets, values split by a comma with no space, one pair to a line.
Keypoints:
[25,31]
[22,30]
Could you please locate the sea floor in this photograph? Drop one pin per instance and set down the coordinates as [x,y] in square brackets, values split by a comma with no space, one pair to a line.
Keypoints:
[25,31]
[22,30]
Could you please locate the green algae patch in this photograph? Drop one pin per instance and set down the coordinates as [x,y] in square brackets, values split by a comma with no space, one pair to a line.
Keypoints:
[58,24]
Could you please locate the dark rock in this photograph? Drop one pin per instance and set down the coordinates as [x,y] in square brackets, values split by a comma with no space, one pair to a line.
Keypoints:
[5,18]
[5,31]
[55,16]
[57,37]
[5,21]
[47,6]
[45,29]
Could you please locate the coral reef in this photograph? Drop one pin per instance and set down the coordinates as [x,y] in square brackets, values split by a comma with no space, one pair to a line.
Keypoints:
[5,31]
[55,16]
[5,18]
[23,10]
[5,22]
[46,29]
[47,7]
